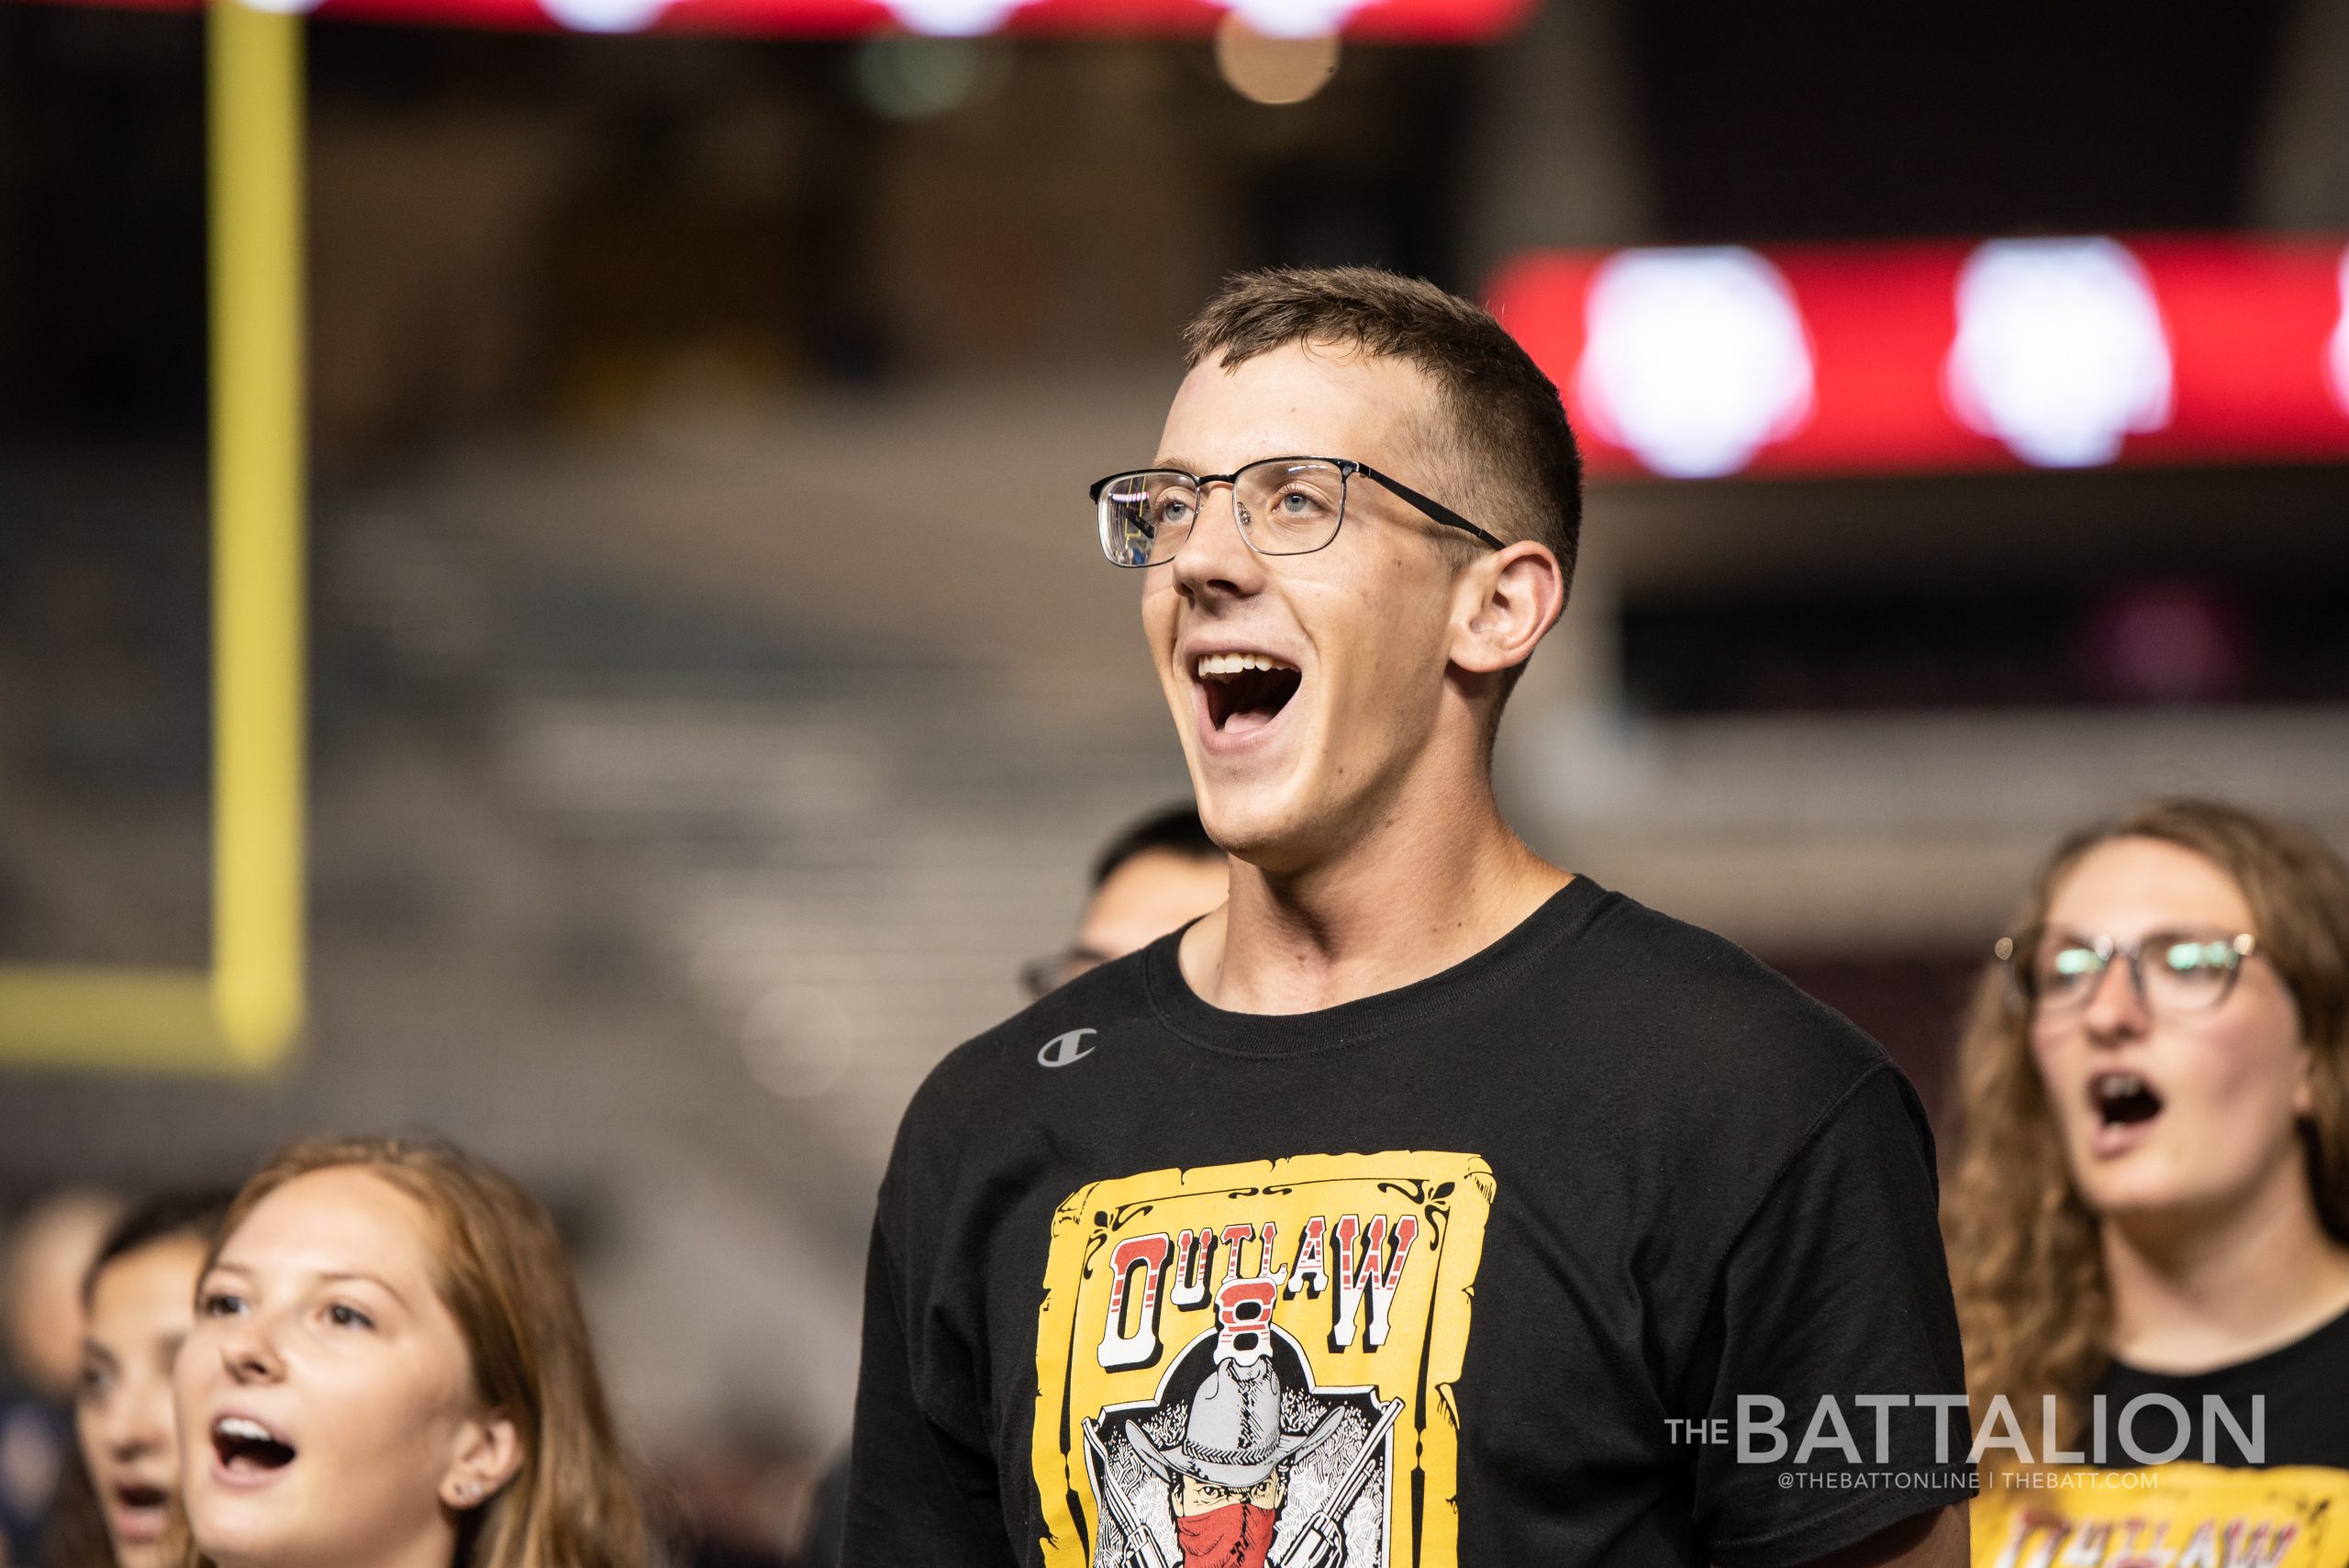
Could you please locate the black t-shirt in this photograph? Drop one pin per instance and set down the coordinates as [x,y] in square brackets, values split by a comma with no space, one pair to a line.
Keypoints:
[1461,1272]
[2303,1388]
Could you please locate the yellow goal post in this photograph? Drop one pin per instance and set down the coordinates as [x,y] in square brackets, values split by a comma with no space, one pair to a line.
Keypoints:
[245,1013]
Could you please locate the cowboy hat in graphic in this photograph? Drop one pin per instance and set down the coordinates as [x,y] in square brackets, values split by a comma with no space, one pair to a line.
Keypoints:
[1233,1437]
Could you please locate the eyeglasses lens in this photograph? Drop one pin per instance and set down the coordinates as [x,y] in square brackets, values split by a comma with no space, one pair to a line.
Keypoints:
[1290,508]
[2174,974]
[1145,517]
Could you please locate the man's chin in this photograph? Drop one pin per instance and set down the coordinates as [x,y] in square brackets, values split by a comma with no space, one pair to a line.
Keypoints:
[1269,827]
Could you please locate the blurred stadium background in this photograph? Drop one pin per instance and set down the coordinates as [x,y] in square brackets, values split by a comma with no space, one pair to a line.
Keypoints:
[715,690]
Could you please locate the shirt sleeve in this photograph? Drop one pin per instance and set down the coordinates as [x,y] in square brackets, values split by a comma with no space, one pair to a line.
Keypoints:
[919,1496]
[1832,1303]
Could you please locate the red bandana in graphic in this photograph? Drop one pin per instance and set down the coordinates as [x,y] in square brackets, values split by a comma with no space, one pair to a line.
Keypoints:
[1234,1536]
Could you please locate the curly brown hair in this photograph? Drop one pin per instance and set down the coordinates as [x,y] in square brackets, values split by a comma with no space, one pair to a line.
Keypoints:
[2024,1250]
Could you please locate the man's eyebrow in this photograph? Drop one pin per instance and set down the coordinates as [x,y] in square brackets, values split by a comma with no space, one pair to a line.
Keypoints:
[93,1351]
[1186,465]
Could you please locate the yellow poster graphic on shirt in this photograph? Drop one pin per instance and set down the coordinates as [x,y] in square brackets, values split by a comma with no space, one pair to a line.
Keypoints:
[1253,1365]
[2167,1516]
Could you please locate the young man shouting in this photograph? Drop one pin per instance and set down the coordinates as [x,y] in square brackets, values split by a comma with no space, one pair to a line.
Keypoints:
[1425,1205]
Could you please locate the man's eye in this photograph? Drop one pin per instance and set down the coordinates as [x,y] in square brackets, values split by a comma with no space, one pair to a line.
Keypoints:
[94,1380]
[1175,512]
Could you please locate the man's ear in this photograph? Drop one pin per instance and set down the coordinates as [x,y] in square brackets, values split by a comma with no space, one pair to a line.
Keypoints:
[488,1452]
[1509,600]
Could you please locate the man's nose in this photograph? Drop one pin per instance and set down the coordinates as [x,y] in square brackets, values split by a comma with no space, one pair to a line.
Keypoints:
[1215,559]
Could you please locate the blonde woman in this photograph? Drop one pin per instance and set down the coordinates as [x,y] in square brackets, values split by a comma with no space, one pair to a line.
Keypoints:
[389,1370]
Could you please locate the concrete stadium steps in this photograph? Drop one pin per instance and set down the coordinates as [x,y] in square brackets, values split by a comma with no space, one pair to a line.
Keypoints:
[845,883]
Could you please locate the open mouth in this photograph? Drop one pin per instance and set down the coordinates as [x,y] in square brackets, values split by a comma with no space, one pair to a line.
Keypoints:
[2123,1099]
[139,1510]
[247,1448]
[1244,691]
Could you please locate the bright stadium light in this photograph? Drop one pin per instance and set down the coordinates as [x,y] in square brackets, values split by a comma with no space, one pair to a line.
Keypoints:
[954,19]
[1942,356]
[2060,353]
[1697,359]
[2336,358]
[1267,70]
[605,15]
[1295,18]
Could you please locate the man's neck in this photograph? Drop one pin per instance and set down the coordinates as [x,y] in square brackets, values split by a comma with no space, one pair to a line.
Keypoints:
[1409,900]
[2190,1294]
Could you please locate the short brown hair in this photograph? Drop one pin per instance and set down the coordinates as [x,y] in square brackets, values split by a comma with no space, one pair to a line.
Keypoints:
[1506,442]
[504,1277]
[2032,1299]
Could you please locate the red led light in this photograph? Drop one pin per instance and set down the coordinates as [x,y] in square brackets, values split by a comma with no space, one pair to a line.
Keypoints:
[1949,356]
[1392,21]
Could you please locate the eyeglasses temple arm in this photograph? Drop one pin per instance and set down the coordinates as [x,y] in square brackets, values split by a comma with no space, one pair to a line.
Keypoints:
[1433,508]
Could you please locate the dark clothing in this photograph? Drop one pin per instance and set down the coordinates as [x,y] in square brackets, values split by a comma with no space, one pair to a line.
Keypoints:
[36,1446]
[2304,1384]
[1506,1240]
[827,1518]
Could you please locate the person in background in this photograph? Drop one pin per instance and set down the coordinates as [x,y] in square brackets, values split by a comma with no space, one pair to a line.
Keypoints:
[740,1494]
[139,1302]
[1158,874]
[389,1369]
[2151,1189]
[49,1252]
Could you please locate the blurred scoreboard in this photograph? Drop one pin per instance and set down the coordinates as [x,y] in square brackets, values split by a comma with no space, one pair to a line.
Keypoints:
[1392,21]
[1939,356]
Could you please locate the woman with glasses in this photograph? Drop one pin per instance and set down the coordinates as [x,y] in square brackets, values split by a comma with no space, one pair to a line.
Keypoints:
[2150,1206]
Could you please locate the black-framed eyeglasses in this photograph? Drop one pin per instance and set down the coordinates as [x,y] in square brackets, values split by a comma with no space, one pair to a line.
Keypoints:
[2172,972]
[1287,505]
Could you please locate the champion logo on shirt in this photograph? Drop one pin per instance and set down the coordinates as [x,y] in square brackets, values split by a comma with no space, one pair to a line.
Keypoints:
[1065,1050]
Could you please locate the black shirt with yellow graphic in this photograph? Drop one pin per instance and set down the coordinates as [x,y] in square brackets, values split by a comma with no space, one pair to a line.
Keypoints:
[2253,1472]
[1488,1269]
